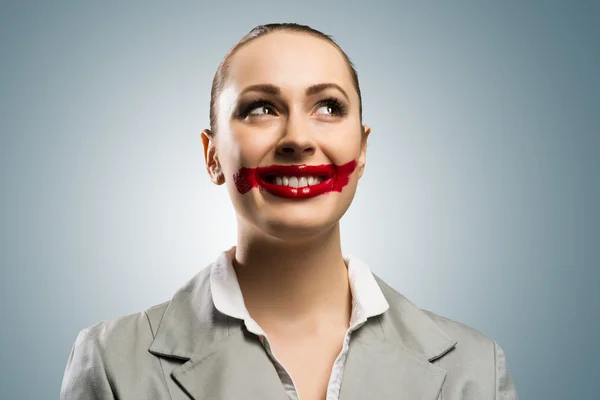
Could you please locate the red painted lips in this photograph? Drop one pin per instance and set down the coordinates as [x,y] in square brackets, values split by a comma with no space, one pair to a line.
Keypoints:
[332,179]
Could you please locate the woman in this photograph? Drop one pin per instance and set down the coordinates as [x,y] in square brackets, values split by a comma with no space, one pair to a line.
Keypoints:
[283,314]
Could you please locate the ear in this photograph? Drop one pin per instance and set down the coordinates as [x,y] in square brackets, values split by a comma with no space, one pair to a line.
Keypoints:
[362,159]
[213,166]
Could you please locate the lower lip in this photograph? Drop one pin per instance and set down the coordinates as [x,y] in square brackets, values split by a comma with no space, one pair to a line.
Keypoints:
[248,178]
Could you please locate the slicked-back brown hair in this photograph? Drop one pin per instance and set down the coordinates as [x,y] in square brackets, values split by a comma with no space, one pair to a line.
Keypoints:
[222,74]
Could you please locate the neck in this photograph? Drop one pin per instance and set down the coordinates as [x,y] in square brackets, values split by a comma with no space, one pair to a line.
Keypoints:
[299,287]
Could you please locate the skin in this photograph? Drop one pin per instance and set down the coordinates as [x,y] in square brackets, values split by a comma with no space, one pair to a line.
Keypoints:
[288,256]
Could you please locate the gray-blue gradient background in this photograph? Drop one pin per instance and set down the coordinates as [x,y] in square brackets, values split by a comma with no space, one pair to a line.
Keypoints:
[480,200]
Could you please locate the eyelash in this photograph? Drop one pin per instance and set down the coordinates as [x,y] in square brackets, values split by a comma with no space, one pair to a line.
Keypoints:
[339,108]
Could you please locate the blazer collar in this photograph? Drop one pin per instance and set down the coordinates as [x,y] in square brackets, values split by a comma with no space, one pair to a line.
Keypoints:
[367,297]
[389,355]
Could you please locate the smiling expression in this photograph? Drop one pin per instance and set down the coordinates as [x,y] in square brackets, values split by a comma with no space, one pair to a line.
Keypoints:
[295,181]
[290,145]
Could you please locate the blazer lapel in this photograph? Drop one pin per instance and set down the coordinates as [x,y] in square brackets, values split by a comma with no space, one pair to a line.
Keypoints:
[378,369]
[209,355]
[236,367]
[390,355]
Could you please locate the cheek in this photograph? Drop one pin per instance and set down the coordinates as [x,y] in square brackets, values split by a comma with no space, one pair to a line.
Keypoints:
[239,151]
[342,150]
[242,152]
[253,143]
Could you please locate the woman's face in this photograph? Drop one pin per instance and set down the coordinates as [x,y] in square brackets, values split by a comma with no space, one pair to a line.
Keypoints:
[289,145]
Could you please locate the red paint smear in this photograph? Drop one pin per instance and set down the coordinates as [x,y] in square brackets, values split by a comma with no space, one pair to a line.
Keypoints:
[335,178]
[245,179]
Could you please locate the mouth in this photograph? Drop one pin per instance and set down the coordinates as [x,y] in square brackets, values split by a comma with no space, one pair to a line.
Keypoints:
[295,181]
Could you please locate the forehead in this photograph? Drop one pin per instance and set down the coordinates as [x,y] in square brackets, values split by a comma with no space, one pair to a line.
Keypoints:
[290,60]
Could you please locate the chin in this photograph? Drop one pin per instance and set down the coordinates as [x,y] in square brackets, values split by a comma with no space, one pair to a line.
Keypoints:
[297,228]
[294,221]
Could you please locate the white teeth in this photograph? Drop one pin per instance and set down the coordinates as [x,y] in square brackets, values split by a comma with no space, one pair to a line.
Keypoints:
[297,182]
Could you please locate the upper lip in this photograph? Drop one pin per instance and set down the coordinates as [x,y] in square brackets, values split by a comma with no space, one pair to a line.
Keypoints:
[325,170]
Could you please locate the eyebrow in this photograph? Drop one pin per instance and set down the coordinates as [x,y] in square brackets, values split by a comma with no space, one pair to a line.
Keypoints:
[310,91]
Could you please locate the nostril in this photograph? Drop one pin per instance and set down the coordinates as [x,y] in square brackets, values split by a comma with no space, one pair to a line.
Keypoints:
[295,150]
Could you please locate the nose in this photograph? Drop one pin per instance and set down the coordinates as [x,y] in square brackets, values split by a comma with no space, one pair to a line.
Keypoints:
[297,141]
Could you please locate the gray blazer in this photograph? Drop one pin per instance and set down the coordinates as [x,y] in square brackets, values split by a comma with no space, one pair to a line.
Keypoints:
[185,348]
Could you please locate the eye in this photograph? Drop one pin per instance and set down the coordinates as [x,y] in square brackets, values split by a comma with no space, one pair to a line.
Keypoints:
[327,110]
[331,106]
[261,110]
[258,108]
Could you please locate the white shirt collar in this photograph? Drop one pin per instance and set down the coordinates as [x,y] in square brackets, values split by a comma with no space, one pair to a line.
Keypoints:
[367,298]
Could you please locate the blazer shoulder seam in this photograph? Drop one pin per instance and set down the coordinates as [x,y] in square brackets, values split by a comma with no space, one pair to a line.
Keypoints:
[150,324]
[146,313]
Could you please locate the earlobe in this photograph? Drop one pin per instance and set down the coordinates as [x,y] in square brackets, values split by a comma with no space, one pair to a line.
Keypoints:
[213,166]
[217,176]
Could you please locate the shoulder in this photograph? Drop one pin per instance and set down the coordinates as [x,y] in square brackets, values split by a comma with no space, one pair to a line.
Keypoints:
[405,310]
[135,332]
[142,326]
[111,353]
[117,333]
[128,336]
[463,333]
[475,363]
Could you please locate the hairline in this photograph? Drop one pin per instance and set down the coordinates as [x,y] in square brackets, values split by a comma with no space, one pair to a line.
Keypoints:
[224,68]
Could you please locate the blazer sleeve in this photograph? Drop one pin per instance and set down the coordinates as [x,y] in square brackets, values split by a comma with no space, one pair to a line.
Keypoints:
[505,386]
[85,377]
